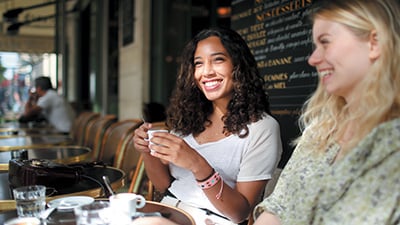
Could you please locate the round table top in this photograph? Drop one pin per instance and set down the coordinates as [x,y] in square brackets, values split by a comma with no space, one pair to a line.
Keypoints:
[14,124]
[60,154]
[12,131]
[68,218]
[90,184]
[14,142]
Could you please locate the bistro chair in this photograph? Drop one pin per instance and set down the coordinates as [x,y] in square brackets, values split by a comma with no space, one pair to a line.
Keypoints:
[114,139]
[126,157]
[80,124]
[95,133]
[140,184]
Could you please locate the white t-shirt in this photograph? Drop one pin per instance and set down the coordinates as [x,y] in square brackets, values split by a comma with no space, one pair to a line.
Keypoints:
[252,158]
[56,110]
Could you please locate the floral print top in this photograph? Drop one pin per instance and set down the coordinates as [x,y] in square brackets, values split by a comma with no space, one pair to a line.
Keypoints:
[361,188]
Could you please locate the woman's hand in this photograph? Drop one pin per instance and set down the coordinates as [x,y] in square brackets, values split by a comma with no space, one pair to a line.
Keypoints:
[158,172]
[141,138]
[171,148]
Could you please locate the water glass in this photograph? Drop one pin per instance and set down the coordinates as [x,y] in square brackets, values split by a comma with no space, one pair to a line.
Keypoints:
[30,200]
[96,213]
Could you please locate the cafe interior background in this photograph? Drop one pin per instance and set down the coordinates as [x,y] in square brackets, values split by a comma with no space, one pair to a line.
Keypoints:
[108,56]
[111,56]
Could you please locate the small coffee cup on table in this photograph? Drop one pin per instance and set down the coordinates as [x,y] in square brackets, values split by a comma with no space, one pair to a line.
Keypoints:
[125,205]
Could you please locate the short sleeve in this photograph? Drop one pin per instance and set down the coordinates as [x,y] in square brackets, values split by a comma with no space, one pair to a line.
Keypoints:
[44,102]
[264,151]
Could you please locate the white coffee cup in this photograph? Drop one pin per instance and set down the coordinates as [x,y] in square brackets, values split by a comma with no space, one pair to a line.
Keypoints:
[127,203]
[150,133]
[23,221]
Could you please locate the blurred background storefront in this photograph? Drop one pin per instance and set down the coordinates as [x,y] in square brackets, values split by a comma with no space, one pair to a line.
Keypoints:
[111,56]
[108,56]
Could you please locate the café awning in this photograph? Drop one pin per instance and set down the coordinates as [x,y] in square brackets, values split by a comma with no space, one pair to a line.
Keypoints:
[27,44]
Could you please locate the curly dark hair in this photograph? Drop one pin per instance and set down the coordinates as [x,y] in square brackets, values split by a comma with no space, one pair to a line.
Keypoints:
[189,109]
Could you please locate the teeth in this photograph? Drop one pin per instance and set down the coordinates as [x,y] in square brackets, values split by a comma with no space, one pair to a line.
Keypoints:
[211,83]
[324,73]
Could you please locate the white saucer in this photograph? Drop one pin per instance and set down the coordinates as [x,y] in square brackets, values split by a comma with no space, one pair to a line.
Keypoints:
[69,203]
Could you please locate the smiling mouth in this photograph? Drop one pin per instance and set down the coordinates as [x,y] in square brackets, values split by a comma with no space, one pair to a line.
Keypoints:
[211,83]
[324,73]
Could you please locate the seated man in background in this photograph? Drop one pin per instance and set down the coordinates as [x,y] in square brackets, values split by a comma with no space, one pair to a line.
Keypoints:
[47,103]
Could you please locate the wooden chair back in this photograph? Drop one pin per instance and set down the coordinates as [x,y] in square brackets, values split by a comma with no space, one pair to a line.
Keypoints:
[140,184]
[160,124]
[115,138]
[95,133]
[80,124]
[127,157]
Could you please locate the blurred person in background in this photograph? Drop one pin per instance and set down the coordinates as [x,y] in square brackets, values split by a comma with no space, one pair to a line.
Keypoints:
[44,101]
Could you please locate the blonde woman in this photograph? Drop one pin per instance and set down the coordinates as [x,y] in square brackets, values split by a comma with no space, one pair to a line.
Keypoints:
[345,168]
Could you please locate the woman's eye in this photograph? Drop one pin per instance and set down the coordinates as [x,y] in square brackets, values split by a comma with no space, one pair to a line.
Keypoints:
[218,60]
[196,64]
[324,41]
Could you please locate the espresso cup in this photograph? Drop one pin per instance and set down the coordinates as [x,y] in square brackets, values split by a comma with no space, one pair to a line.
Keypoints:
[150,133]
[127,203]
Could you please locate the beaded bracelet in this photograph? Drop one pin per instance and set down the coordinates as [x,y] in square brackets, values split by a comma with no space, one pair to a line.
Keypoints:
[208,177]
[210,182]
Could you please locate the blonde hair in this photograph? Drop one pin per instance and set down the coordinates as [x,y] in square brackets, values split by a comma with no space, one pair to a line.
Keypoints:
[326,115]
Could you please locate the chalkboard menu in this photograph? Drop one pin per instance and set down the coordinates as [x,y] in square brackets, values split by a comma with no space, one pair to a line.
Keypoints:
[279,35]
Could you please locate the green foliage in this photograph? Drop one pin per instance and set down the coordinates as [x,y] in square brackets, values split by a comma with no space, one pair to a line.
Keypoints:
[2,70]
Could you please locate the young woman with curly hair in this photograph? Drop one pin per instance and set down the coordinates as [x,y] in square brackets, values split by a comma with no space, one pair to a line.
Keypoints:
[224,145]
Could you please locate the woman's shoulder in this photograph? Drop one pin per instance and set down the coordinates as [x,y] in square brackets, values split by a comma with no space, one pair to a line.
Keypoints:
[266,121]
[266,127]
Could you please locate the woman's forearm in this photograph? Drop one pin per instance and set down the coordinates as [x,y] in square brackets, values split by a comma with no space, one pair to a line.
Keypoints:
[157,172]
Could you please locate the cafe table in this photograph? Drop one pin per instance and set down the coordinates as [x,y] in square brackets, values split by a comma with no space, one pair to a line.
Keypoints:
[90,184]
[13,142]
[11,125]
[17,128]
[14,124]
[23,131]
[58,154]
[68,218]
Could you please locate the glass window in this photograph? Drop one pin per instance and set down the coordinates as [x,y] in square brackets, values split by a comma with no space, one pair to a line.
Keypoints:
[17,72]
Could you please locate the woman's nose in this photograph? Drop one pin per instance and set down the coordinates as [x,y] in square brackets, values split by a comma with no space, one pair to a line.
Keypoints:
[208,68]
[315,58]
